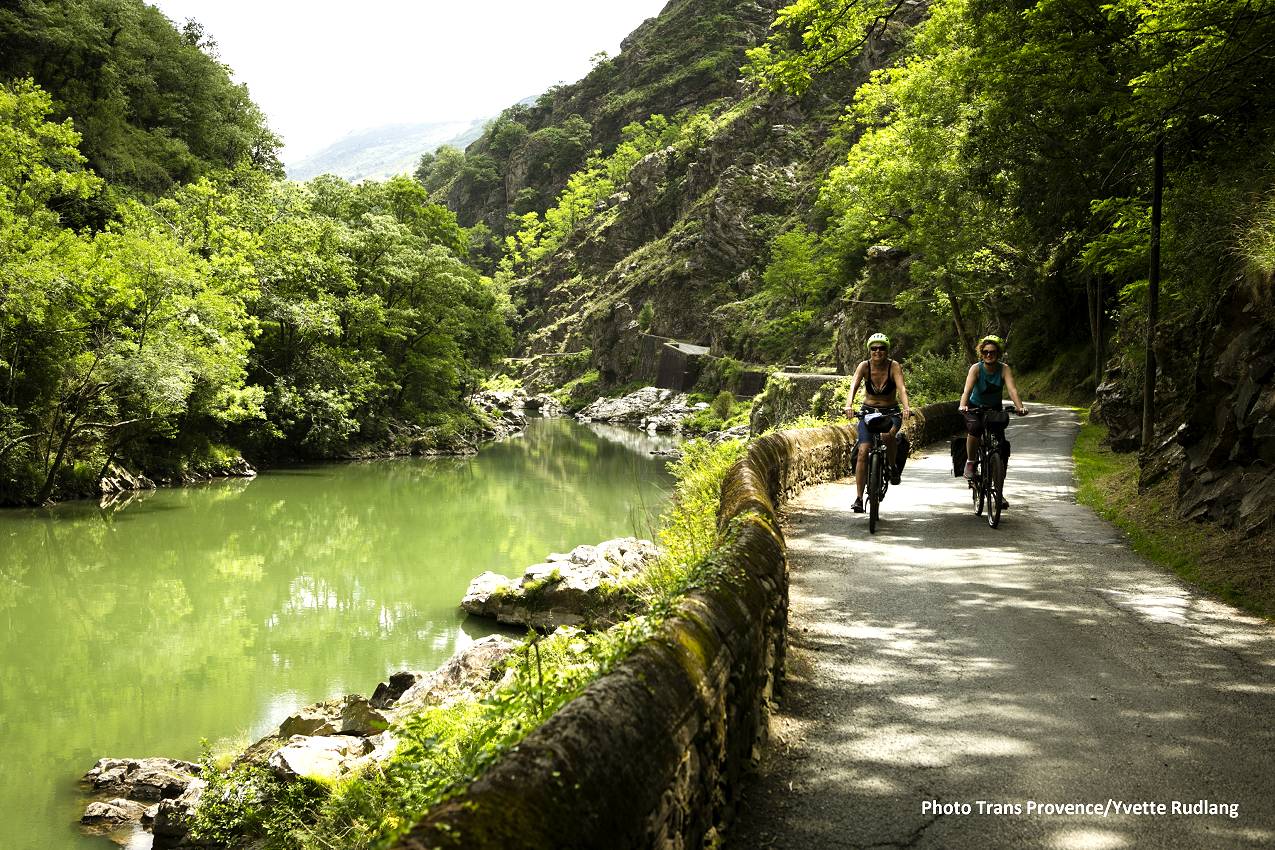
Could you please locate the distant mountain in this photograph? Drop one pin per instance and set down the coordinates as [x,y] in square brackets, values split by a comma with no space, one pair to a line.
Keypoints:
[382,152]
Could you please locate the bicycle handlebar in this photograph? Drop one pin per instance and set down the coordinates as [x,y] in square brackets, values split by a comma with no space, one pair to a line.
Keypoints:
[1008,408]
[859,414]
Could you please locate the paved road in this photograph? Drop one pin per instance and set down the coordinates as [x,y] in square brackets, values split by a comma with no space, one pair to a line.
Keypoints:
[1043,662]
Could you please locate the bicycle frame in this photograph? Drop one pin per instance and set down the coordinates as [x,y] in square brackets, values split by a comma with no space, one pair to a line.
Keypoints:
[989,473]
[878,478]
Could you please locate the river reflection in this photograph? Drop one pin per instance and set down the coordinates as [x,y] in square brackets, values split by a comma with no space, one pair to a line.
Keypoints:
[212,612]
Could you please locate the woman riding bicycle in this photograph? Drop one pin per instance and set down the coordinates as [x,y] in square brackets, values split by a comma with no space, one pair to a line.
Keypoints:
[984,385]
[882,380]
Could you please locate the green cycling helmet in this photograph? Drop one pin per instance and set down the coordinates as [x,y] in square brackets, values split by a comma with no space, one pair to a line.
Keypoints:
[879,337]
[992,338]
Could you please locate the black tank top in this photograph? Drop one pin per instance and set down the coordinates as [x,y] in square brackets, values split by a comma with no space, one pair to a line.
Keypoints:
[888,388]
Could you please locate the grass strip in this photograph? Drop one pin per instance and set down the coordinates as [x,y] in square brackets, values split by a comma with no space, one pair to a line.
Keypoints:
[1211,558]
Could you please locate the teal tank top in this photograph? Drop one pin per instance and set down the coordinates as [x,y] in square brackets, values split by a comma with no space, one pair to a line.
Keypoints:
[988,387]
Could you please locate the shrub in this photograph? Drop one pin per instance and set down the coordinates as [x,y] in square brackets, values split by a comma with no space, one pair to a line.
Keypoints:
[502,383]
[580,391]
[935,377]
[688,530]
[646,316]
[829,401]
[720,373]
[722,404]
[718,417]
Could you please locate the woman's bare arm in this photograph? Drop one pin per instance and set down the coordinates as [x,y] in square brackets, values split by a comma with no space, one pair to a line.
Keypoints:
[970,377]
[1013,390]
[854,388]
[903,390]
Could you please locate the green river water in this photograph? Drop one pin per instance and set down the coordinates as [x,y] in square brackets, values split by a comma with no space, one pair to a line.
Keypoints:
[215,611]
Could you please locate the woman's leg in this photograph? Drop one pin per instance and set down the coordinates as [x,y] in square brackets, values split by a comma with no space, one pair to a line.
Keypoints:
[860,471]
[973,428]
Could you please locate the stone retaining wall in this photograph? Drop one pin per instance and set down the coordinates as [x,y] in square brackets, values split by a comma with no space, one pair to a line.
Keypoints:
[651,755]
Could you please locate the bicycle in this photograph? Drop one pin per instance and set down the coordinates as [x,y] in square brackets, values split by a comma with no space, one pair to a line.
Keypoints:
[878,423]
[989,466]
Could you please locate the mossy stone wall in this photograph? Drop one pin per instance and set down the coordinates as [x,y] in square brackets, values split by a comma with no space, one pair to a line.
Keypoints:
[652,755]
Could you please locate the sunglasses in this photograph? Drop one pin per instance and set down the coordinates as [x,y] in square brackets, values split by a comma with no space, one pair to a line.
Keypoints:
[876,348]
[992,351]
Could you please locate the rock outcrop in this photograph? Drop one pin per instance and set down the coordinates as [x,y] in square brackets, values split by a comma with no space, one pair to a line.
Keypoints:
[508,408]
[504,409]
[581,587]
[146,780]
[236,467]
[650,408]
[1226,448]
[1119,407]
[112,813]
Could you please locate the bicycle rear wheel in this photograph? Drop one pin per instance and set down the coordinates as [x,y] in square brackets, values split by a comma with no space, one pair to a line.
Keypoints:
[996,473]
[874,490]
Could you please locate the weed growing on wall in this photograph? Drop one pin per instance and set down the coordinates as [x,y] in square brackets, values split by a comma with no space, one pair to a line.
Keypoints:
[688,530]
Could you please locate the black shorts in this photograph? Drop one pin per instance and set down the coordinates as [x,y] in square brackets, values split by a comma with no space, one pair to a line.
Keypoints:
[974,423]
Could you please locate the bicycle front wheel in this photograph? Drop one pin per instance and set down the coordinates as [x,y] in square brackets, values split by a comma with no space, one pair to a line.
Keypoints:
[976,489]
[875,474]
[996,474]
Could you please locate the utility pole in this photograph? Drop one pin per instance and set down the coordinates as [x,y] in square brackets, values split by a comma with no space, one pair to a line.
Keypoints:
[1098,358]
[1153,299]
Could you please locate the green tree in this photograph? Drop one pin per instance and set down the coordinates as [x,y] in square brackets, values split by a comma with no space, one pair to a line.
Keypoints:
[152,107]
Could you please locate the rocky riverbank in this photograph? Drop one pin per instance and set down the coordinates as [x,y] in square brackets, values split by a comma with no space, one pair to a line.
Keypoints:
[328,740]
[650,408]
[324,741]
[118,484]
[504,411]
[504,414]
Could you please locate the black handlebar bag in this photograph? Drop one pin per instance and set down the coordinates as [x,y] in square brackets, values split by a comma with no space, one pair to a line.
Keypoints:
[880,424]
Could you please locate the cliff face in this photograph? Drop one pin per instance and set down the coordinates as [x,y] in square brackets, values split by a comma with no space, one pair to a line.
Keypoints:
[691,231]
[1215,411]
[685,234]
[1227,471]
[686,57]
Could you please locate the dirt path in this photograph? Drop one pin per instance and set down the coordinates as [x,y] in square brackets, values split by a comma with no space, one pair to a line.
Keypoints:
[941,661]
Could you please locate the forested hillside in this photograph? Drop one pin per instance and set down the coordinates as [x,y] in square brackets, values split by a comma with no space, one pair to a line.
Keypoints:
[167,302]
[151,103]
[936,170]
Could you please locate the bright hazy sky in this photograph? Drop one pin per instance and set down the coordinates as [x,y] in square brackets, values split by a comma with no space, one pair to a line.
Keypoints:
[323,69]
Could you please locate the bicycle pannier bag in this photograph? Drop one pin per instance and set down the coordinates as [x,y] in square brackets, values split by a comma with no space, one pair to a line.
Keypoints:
[958,457]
